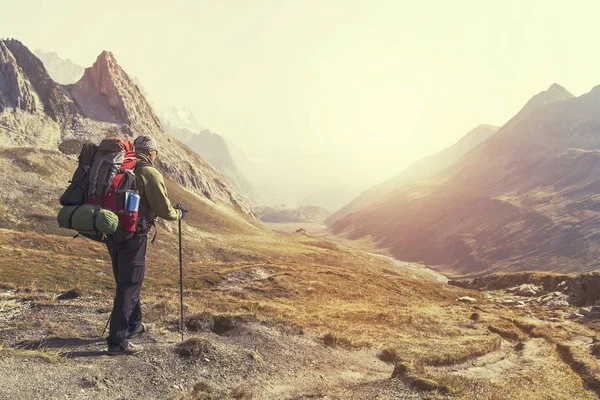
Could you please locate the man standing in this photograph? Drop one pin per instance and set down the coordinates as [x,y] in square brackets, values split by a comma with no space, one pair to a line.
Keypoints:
[129,256]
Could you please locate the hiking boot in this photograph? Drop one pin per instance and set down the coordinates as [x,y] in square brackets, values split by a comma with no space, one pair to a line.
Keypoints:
[140,329]
[127,351]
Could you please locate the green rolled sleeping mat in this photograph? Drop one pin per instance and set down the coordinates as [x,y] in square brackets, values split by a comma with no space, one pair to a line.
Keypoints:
[85,217]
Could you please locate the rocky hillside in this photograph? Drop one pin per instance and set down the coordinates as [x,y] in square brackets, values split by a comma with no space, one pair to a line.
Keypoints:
[37,112]
[525,199]
[420,170]
[301,214]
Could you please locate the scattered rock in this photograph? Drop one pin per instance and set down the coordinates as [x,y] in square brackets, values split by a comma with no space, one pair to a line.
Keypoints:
[557,303]
[527,290]
[70,294]
[563,287]
[574,315]
[467,299]
[512,303]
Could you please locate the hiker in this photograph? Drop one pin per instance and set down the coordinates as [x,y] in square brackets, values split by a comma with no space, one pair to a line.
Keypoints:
[129,256]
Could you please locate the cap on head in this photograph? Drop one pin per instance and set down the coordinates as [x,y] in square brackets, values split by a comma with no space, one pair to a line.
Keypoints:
[144,144]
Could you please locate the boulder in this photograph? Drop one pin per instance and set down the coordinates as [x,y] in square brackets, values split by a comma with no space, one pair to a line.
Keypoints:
[557,303]
[513,303]
[584,311]
[563,287]
[466,299]
[527,290]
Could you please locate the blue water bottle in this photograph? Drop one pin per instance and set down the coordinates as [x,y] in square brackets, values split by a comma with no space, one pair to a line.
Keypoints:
[132,202]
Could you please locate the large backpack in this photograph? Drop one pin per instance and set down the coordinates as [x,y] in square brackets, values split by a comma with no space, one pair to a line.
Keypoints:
[106,180]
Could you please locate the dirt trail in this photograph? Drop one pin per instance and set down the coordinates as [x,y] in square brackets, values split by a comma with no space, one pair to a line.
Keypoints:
[509,359]
[66,356]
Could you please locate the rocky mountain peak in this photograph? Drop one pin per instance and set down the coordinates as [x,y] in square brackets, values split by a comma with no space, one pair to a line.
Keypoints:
[15,89]
[33,81]
[554,93]
[107,93]
[558,92]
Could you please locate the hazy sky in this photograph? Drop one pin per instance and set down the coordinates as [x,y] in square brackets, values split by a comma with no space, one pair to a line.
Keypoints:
[339,87]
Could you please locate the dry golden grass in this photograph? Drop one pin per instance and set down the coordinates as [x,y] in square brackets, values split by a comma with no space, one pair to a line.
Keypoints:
[48,355]
[354,299]
[507,330]
[583,363]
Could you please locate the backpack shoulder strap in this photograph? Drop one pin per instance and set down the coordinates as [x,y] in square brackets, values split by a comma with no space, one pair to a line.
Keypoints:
[141,163]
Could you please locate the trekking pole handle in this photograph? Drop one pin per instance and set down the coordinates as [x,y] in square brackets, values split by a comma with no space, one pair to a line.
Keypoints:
[181,207]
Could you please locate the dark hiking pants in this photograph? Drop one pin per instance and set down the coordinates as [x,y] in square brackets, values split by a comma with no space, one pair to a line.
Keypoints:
[128,262]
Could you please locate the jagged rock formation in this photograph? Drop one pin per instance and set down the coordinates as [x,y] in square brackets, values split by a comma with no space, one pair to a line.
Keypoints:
[55,100]
[64,72]
[116,97]
[36,111]
[15,90]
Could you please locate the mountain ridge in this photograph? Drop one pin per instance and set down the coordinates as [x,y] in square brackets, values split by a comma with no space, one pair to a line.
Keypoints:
[522,200]
[418,170]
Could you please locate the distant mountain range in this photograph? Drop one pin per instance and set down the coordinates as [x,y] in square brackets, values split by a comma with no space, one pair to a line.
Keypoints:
[527,198]
[180,117]
[212,148]
[284,214]
[422,169]
[63,71]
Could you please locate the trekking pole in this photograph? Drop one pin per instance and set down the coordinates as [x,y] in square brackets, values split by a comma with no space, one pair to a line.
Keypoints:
[181,281]
[106,326]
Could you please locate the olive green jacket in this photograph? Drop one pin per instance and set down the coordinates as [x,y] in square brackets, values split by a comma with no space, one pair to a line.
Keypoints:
[151,187]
